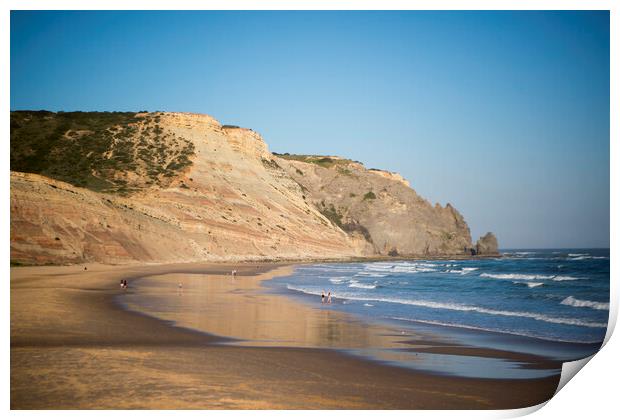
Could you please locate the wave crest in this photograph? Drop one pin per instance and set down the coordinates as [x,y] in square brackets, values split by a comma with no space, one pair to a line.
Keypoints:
[571,301]
[529,284]
[513,276]
[464,308]
[359,285]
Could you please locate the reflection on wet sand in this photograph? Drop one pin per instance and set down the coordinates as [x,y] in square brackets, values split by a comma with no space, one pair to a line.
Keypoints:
[237,307]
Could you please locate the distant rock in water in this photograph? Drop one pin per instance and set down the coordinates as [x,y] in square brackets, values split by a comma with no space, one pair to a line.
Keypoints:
[487,245]
[178,187]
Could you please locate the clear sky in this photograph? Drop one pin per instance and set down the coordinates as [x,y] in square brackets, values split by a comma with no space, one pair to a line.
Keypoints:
[503,114]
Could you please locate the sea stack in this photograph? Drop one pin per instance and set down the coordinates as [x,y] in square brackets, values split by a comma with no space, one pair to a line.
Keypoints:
[487,245]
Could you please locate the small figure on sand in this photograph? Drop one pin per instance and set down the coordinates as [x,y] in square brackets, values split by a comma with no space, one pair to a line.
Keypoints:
[234,273]
[329,297]
[123,284]
[323,297]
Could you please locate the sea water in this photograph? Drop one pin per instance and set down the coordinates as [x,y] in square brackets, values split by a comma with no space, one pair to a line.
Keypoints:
[558,295]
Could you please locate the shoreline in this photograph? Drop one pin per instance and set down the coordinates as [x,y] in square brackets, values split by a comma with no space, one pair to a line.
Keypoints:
[305,298]
[73,347]
[287,261]
[377,340]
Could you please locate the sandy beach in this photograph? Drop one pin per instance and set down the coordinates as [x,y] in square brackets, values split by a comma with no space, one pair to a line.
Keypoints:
[73,346]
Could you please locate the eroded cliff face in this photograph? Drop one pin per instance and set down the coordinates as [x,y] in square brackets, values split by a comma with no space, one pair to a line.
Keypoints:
[179,187]
[394,219]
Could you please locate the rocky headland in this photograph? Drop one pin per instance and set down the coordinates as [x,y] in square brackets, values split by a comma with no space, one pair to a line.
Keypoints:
[176,187]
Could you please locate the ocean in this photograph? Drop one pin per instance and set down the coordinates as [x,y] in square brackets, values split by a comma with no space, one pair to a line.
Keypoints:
[558,295]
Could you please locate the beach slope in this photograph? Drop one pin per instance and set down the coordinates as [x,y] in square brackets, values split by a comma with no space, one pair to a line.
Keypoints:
[73,347]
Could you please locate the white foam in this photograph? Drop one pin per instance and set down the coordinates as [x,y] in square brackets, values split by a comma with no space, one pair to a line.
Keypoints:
[571,301]
[463,271]
[513,276]
[338,280]
[467,308]
[529,284]
[401,267]
[368,304]
[359,285]
[565,278]
[414,270]
[516,276]
[496,330]
[367,274]
[587,257]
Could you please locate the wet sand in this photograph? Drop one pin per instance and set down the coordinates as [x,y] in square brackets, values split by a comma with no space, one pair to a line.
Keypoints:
[73,346]
[253,315]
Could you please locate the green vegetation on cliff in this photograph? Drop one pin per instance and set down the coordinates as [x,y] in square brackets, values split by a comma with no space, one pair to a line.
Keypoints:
[324,161]
[104,151]
[337,218]
[370,196]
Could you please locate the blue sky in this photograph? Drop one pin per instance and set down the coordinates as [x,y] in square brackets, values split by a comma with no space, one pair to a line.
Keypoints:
[503,114]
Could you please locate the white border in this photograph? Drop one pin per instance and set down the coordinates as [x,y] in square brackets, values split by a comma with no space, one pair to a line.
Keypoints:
[592,394]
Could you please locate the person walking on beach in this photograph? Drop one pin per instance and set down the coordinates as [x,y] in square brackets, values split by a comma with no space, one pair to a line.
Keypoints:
[323,297]
[329,297]
[122,284]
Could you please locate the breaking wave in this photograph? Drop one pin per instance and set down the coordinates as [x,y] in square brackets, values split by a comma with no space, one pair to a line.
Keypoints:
[462,271]
[529,284]
[528,277]
[463,308]
[403,267]
[495,330]
[359,285]
[586,257]
[367,274]
[571,301]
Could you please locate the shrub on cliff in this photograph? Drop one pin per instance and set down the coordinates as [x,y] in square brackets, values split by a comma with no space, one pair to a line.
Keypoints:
[96,150]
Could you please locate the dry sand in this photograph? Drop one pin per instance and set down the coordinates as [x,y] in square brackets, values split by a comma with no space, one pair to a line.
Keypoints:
[73,347]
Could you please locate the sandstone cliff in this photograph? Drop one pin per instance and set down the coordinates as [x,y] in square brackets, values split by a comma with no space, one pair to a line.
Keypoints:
[175,187]
[487,245]
[380,205]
